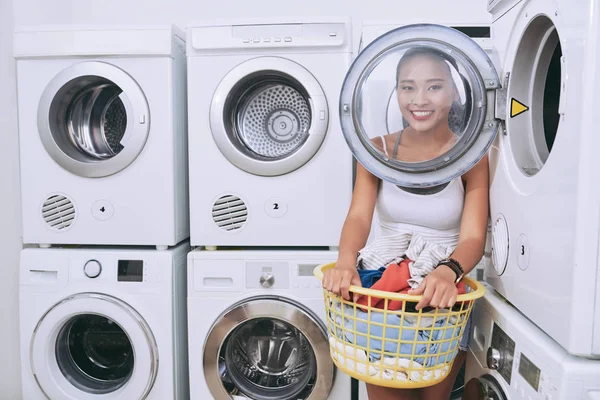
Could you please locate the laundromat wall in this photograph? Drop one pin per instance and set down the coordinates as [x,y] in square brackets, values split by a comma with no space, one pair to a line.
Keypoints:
[20,13]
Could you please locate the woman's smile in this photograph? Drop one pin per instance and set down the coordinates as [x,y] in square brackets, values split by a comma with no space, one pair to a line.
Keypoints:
[421,115]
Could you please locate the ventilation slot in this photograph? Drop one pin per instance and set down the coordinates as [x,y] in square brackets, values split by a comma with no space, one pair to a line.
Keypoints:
[58,212]
[229,213]
[500,245]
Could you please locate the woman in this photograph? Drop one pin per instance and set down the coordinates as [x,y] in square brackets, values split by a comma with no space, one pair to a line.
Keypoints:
[426,93]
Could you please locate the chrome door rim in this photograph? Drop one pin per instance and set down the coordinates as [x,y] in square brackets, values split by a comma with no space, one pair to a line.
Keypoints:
[318,124]
[479,134]
[136,110]
[268,307]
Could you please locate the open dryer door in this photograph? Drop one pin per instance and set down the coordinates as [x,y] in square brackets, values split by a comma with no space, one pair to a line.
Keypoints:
[93,119]
[418,105]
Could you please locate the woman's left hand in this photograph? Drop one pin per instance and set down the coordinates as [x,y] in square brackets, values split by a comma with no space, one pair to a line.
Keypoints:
[438,289]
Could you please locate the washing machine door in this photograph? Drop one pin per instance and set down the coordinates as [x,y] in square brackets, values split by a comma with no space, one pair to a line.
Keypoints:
[93,119]
[268,348]
[417,105]
[93,346]
[485,387]
[269,116]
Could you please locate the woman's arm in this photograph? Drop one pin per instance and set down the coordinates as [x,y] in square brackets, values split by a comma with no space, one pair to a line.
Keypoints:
[438,288]
[473,226]
[354,234]
[360,216]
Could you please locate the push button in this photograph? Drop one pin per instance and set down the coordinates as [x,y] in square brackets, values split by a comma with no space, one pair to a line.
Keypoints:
[92,269]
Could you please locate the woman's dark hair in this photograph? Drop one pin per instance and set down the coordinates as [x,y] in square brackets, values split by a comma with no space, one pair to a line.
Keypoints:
[426,51]
[457,118]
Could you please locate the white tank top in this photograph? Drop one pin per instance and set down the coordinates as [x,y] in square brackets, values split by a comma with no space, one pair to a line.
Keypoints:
[437,216]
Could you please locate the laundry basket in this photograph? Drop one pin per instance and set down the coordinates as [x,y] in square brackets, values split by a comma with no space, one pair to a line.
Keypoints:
[395,345]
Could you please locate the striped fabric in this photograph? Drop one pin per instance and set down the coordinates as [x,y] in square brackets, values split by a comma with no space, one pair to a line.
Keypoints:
[425,253]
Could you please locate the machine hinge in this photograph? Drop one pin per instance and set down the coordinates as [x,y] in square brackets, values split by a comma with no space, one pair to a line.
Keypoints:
[500,102]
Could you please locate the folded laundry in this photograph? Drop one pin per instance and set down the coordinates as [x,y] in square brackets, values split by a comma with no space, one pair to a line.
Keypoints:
[429,342]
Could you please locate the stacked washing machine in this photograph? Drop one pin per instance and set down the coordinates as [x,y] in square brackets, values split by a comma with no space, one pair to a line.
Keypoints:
[536,330]
[270,186]
[102,127]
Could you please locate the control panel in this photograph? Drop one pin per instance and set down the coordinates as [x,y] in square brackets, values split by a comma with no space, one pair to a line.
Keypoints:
[273,275]
[501,353]
[269,35]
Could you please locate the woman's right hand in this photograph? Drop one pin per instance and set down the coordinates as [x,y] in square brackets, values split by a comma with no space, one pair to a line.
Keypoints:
[339,279]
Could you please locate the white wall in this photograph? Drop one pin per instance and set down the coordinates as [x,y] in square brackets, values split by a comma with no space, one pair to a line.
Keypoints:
[120,12]
[34,12]
[10,227]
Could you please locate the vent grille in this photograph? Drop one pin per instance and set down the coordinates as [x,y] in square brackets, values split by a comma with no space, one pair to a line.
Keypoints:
[500,245]
[230,213]
[58,212]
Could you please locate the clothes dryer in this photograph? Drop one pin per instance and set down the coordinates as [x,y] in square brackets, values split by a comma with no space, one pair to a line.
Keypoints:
[103,323]
[102,126]
[268,164]
[543,191]
[256,326]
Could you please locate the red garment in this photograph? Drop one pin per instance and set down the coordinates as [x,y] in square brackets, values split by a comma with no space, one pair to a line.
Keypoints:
[395,279]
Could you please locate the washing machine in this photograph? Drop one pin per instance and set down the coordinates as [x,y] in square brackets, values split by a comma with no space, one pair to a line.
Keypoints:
[102,125]
[103,323]
[511,358]
[543,195]
[256,326]
[268,163]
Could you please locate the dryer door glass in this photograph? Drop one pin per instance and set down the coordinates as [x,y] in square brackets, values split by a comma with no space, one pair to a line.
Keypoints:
[268,348]
[94,353]
[269,116]
[417,105]
[93,119]
[93,344]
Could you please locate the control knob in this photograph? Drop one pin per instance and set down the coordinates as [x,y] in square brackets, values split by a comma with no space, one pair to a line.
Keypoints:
[495,359]
[267,280]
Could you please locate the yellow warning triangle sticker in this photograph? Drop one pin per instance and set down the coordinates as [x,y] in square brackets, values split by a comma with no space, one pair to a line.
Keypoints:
[516,107]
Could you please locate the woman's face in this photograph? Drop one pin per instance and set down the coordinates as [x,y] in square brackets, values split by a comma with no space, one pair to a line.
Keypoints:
[425,91]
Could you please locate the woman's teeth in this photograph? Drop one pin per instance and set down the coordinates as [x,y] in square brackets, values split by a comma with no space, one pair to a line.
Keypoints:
[422,113]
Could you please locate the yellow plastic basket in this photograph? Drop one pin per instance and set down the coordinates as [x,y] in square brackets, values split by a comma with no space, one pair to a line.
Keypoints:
[401,348]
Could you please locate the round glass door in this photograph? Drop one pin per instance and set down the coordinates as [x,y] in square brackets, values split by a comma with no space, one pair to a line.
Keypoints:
[93,119]
[268,349]
[485,387]
[269,116]
[94,353]
[417,105]
[92,346]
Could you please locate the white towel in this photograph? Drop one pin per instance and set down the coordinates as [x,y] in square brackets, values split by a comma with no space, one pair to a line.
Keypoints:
[390,369]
